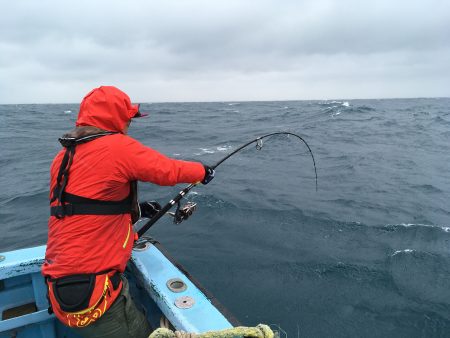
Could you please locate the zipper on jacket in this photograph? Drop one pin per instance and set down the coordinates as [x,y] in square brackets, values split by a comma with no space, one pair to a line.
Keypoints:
[128,236]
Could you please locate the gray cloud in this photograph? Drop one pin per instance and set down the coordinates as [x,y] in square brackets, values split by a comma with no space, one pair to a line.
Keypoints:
[54,51]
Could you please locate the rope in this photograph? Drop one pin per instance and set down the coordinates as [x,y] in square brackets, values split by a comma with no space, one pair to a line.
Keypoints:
[260,331]
[164,322]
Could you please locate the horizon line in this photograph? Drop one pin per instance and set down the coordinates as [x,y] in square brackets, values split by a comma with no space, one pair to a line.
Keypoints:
[242,101]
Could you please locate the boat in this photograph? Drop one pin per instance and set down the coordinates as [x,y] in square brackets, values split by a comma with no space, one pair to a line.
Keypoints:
[159,285]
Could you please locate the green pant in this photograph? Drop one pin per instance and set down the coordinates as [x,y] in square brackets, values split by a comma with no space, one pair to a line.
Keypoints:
[122,320]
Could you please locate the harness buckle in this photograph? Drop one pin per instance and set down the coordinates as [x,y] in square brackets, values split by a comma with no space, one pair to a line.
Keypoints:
[61,211]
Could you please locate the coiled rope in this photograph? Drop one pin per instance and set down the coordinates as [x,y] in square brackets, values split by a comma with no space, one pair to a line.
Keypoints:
[259,331]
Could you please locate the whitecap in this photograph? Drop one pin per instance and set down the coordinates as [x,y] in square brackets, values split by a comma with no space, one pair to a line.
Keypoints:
[404,251]
[329,108]
[223,148]
[205,151]
[336,113]
[346,104]
[67,112]
[407,225]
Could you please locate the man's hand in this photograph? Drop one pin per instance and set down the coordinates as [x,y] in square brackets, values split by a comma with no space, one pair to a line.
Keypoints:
[209,174]
[149,208]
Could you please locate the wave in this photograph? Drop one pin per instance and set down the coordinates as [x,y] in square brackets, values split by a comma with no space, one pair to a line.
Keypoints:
[427,188]
[421,275]
[412,225]
[364,108]
[218,149]
[27,198]
[405,251]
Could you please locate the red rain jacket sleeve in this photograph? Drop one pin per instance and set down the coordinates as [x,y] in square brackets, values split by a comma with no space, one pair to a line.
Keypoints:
[134,161]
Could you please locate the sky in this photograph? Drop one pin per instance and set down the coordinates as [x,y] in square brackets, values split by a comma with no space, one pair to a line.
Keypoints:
[224,50]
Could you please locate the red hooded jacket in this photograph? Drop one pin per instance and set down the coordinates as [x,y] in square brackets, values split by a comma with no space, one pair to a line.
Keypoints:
[102,170]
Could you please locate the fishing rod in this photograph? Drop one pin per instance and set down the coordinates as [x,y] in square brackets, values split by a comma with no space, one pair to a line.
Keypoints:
[187,211]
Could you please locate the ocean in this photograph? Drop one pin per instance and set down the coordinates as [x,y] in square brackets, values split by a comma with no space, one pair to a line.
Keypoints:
[366,255]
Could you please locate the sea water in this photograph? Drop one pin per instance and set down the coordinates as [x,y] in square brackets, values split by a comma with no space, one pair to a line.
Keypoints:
[367,255]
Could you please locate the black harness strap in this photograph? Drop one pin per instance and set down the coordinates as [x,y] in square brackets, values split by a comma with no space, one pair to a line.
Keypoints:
[77,205]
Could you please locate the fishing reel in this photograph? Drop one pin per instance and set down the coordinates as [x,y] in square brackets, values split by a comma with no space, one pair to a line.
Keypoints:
[183,213]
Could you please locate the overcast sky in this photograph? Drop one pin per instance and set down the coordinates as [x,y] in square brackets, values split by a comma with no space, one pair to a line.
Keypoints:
[224,50]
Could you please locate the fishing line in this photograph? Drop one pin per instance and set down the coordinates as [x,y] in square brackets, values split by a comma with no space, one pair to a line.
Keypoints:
[259,145]
[179,196]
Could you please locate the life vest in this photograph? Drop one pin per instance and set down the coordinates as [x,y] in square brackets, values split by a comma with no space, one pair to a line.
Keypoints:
[70,204]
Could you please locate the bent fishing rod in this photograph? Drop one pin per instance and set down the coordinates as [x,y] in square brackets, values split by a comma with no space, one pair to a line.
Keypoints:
[182,193]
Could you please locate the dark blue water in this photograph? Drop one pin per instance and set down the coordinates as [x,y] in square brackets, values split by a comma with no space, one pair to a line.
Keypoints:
[368,255]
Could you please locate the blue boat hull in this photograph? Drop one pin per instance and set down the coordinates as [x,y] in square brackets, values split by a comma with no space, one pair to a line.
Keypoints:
[158,285]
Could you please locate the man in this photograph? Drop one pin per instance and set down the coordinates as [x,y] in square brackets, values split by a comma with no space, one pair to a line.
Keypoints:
[93,207]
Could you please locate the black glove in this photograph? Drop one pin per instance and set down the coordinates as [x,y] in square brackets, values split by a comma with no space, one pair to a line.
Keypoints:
[149,208]
[209,174]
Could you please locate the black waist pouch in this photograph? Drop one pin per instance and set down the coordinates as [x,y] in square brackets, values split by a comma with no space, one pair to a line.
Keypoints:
[74,292]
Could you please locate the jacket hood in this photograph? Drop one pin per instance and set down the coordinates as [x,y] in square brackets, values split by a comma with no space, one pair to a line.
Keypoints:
[107,108]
